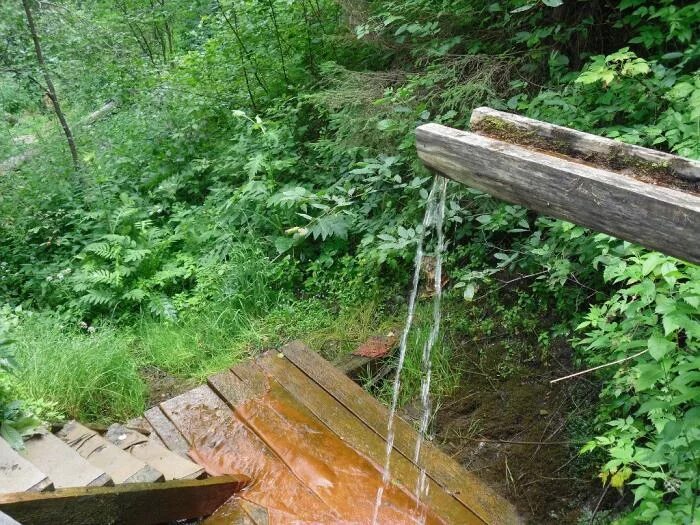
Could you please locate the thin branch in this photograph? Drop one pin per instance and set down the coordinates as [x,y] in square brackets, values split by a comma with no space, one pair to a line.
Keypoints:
[600,366]
[51,90]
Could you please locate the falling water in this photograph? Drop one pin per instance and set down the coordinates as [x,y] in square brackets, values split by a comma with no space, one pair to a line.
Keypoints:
[434,217]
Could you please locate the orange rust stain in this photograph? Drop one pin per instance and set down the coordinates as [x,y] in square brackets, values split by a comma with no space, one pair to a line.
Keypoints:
[301,472]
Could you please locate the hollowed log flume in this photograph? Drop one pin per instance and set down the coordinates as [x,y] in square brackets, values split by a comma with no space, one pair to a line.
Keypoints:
[633,193]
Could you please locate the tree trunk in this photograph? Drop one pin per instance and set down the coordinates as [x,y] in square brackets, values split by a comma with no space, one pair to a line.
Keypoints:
[50,89]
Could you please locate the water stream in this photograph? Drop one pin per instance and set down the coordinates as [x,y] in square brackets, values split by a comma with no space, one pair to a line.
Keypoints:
[432,223]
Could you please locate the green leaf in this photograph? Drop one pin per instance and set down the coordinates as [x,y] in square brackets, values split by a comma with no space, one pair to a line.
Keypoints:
[552,3]
[659,346]
[470,290]
[11,435]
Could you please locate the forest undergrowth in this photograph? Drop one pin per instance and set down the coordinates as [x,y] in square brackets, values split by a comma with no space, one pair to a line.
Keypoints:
[257,182]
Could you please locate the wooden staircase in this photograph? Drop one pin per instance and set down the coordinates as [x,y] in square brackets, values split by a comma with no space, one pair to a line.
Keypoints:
[287,436]
[77,456]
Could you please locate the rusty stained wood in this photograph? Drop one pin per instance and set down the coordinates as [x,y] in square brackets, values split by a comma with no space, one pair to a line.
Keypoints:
[135,503]
[446,472]
[238,511]
[660,218]
[355,433]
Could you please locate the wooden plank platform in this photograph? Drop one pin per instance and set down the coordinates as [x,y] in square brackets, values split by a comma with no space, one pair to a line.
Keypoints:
[313,443]
[624,203]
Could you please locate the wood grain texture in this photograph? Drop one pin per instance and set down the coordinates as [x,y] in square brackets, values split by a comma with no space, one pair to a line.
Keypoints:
[587,143]
[659,218]
[136,503]
[121,466]
[170,464]
[446,472]
[63,465]
[167,432]
[360,437]
[17,474]
[6,520]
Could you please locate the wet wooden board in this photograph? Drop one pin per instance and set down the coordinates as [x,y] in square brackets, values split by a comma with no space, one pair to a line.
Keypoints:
[442,469]
[354,432]
[121,466]
[17,474]
[135,503]
[213,431]
[164,429]
[350,364]
[252,419]
[63,465]
[230,513]
[238,512]
[255,513]
[657,217]
[170,464]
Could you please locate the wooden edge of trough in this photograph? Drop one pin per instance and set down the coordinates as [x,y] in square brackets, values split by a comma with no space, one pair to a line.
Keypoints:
[587,143]
[133,503]
[660,218]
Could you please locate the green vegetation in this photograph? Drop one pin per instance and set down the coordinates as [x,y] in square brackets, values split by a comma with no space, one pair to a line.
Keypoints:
[257,181]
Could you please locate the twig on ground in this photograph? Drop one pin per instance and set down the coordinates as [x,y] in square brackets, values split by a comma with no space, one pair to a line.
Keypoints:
[597,506]
[600,366]
[538,443]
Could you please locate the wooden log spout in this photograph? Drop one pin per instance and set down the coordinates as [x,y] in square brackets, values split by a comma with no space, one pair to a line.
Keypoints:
[662,218]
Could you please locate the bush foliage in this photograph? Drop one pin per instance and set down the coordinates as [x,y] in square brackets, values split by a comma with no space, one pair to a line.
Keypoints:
[262,153]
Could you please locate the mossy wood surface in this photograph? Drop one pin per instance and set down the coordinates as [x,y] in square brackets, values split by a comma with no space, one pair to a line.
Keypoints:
[658,217]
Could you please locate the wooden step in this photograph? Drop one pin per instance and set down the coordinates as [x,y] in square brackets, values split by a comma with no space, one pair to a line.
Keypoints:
[7,520]
[19,475]
[121,466]
[62,464]
[160,458]
[166,431]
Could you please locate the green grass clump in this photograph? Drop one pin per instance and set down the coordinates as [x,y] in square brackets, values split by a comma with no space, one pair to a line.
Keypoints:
[91,377]
[445,373]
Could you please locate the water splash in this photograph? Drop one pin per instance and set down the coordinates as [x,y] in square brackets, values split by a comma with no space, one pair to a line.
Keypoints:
[434,217]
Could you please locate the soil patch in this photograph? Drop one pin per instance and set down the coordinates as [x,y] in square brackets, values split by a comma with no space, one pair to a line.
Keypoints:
[515,433]
[162,386]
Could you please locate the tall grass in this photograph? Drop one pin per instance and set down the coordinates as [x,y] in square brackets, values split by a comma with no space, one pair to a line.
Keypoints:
[96,377]
[88,376]
[445,373]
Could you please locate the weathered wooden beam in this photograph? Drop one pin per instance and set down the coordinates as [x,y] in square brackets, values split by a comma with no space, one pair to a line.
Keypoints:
[587,144]
[657,217]
[135,503]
